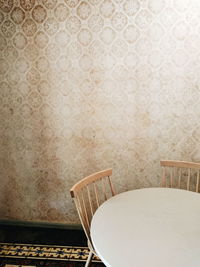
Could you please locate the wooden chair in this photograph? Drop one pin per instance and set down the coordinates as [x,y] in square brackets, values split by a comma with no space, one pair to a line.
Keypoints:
[180,174]
[89,194]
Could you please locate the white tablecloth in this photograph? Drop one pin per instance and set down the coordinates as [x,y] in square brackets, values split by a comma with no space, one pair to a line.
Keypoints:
[152,227]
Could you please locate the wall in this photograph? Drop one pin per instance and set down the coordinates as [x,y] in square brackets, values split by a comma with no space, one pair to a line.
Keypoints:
[86,85]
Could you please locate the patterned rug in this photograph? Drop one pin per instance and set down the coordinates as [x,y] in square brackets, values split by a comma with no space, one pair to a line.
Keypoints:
[24,255]
[43,263]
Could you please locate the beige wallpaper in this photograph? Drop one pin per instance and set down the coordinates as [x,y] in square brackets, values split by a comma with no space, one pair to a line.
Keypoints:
[86,85]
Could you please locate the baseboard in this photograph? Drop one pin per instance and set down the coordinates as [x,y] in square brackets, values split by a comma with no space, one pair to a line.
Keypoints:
[40,224]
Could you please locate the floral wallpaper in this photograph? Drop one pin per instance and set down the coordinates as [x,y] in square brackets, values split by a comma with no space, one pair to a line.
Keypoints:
[93,84]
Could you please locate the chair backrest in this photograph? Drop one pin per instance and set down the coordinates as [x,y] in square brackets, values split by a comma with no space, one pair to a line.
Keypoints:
[180,174]
[89,193]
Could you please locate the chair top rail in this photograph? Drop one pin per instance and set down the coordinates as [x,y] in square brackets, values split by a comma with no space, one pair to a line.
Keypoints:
[179,164]
[88,180]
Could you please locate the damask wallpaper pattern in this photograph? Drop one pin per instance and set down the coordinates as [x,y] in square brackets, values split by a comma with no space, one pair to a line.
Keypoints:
[86,85]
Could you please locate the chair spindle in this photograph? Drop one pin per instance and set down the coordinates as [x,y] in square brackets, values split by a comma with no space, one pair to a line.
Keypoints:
[104,188]
[164,177]
[171,177]
[197,184]
[85,210]
[179,178]
[90,201]
[111,186]
[188,179]
[96,194]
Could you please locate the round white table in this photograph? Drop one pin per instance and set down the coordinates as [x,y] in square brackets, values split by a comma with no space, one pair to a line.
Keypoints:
[152,227]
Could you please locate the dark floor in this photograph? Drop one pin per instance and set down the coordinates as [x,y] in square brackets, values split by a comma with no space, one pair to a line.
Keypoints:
[41,235]
[43,246]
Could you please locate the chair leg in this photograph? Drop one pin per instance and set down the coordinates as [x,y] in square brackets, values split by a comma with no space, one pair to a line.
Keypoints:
[89,259]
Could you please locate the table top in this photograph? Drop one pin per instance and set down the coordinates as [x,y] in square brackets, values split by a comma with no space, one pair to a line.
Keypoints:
[149,227]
